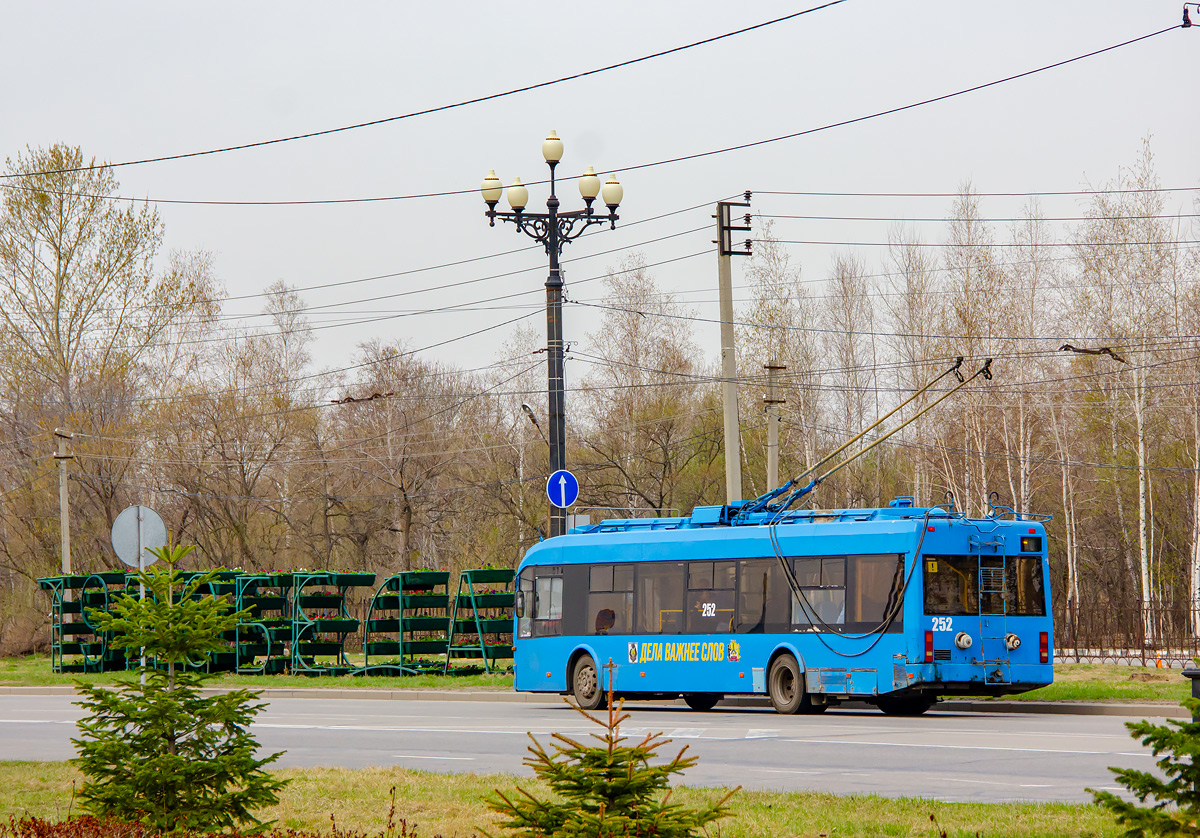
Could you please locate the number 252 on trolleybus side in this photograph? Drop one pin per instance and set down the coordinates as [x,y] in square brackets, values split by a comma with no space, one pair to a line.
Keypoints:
[894,606]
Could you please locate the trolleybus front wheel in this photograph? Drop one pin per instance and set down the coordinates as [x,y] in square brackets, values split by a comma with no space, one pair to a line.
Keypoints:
[702,701]
[907,706]
[785,685]
[585,684]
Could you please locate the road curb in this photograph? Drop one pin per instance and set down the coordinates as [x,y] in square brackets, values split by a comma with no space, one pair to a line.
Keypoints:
[1072,708]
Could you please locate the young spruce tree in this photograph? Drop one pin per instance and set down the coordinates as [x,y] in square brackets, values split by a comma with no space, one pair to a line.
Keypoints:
[158,752]
[1175,795]
[605,790]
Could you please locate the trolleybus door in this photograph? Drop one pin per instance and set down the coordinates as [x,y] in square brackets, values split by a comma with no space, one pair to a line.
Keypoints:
[993,624]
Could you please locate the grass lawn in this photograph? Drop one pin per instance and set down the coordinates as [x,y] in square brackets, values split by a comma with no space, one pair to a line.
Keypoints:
[1109,682]
[1072,681]
[34,671]
[451,804]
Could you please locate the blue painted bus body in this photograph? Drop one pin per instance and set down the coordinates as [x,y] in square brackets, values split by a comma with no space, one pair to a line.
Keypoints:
[939,556]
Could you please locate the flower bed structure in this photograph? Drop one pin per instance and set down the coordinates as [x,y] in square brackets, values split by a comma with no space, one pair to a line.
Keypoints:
[481,624]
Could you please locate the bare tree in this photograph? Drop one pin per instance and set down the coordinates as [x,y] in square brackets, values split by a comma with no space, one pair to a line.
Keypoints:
[851,350]
[913,313]
[643,398]
[1126,257]
[779,328]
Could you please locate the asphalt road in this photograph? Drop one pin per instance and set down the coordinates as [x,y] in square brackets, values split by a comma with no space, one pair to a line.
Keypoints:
[942,755]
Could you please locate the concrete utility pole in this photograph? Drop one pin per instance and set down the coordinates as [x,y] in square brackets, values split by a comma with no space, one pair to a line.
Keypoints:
[63,455]
[771,402]
[725,250]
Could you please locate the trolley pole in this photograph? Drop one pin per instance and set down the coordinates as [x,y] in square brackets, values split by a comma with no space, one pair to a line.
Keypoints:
[63,455]
[771,402]
[725,250]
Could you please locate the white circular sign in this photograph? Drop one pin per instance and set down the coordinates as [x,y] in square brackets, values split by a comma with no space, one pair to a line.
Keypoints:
[135,529]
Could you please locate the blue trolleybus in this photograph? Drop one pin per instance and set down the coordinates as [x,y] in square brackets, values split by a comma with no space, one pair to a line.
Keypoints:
[894,606]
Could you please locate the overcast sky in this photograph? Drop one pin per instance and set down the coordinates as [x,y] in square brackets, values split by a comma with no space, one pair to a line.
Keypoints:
[127,81]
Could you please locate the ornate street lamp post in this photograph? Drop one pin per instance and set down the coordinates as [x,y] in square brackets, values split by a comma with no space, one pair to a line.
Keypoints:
[554,229]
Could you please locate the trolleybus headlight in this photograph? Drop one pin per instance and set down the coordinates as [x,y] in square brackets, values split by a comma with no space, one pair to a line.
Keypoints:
[962,640]
[1012,642]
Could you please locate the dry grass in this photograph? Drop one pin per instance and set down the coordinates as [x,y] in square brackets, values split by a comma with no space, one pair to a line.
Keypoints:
[452,805]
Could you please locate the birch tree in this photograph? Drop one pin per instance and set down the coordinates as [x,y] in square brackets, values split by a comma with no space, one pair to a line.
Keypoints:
[780,327]
[1125,256]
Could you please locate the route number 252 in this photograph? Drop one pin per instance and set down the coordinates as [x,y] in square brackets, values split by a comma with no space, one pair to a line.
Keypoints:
[942,624]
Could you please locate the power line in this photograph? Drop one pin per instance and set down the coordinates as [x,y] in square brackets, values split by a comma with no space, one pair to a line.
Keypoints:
[409,272]
[327,373]
[985,246]
[854,332]
[629,168]
[897,442]
[975,194]
[899,109]
[250,332]
[608,252]
[945,220]
[440,108]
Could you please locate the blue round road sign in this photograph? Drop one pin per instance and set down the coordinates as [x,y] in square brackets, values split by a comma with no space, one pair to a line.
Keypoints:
[562,488]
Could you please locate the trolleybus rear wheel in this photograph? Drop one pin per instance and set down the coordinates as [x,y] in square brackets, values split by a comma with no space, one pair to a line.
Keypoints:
[907,706]
[585,684]
[702,701]
[785,685]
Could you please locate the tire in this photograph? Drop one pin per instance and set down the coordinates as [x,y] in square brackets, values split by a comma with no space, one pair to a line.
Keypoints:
[785,685]
[908,706]
[585,684]
[702,701]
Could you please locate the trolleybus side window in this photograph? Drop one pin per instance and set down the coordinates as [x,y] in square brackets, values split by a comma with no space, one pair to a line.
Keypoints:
[762,601]
[610,599]
[822,583]
[876,587]
[710,597]
[660,598]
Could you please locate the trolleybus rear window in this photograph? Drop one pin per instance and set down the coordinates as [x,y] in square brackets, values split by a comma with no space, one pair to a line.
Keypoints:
[963,585]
